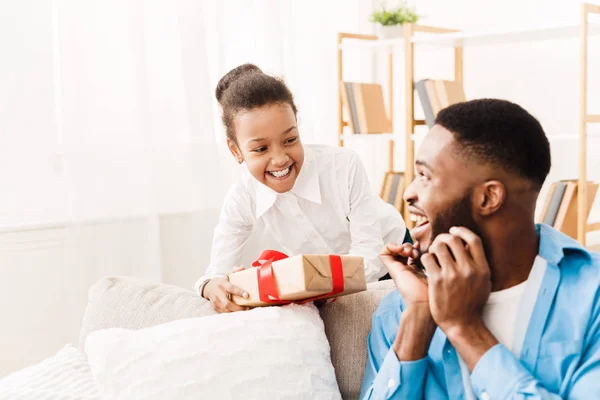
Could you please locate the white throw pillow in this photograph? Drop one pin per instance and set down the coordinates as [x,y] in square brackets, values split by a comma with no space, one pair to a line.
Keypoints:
[265,353]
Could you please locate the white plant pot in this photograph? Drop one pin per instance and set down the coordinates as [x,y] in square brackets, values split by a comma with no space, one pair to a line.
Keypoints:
[389,31]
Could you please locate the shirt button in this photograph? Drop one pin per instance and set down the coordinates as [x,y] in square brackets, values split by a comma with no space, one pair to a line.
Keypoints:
[485,396]
[391,383]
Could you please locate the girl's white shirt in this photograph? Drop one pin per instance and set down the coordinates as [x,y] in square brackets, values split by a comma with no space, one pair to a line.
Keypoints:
[330,210]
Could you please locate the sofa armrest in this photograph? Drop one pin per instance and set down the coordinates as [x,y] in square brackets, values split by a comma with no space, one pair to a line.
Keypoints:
[347,326]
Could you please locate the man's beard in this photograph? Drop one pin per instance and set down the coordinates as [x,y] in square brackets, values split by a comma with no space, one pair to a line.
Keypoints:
[459,214]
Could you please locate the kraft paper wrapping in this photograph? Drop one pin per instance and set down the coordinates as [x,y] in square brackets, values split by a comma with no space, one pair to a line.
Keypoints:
[300,278]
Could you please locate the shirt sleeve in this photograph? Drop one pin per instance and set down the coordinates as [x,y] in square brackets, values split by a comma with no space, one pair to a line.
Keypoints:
[231,234]
[385,376]
[511,380]
[365,230]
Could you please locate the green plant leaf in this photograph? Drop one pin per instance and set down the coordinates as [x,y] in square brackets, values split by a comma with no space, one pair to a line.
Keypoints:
[397,16]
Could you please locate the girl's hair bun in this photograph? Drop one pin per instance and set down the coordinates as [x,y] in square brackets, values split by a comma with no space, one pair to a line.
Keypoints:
[232,76]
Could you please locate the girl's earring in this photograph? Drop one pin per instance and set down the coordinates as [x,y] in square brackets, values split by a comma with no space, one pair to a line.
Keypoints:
[239,160]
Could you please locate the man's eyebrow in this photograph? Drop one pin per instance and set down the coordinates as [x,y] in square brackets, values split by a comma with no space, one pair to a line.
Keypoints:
[423,163]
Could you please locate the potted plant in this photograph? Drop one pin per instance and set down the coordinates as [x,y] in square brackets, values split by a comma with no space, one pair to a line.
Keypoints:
[389,21]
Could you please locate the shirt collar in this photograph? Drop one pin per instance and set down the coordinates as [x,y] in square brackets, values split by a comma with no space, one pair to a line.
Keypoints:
[554,244]
[306,186]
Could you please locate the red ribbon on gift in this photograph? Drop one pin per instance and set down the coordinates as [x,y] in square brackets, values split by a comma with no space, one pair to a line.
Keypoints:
[267,284]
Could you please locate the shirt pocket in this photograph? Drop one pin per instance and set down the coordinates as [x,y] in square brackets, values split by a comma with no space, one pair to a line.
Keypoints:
[555,360]
[560,348]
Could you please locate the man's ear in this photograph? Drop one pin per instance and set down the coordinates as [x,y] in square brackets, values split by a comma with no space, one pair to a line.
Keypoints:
[235,150]
[489,197]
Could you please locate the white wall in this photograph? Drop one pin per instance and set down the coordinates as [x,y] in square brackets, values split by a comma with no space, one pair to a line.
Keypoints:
[44,276]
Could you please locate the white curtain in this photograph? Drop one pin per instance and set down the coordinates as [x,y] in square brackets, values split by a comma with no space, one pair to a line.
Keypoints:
[107,135]
[120,122]
[137,138]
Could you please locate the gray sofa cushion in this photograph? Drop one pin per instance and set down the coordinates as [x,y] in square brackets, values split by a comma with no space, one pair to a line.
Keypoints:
[347,325]
[132,303]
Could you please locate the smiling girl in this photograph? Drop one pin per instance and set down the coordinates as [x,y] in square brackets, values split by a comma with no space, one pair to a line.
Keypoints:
[311,199]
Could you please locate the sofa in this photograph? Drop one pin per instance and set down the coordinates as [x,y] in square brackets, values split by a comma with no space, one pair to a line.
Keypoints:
[127,302]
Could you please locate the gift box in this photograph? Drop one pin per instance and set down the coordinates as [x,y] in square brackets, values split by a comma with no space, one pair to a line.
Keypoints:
[277,279]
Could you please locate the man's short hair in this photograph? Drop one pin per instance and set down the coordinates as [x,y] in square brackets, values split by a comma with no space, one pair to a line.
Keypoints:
[501,133]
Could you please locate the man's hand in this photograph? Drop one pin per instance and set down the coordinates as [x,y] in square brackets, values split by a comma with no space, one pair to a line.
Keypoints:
[459,285]
[219,291]
[416,326]
[459,278]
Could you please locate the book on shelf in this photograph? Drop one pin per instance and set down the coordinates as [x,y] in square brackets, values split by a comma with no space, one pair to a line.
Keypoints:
[436,95]
[546,205]
[365,107]
[565,204]
[392,189]
[568,224]
[560,207]
[556,196]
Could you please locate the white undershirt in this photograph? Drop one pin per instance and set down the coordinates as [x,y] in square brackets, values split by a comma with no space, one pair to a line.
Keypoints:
[500,314]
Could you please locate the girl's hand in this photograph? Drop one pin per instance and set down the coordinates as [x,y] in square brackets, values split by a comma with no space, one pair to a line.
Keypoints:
[219,290]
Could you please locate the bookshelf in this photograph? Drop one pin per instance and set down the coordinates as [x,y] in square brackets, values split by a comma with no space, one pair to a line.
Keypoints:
[419,35]
[389,45]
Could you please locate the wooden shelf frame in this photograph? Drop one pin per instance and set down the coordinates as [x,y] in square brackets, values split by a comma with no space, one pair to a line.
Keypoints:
[584,118]
[486,38]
